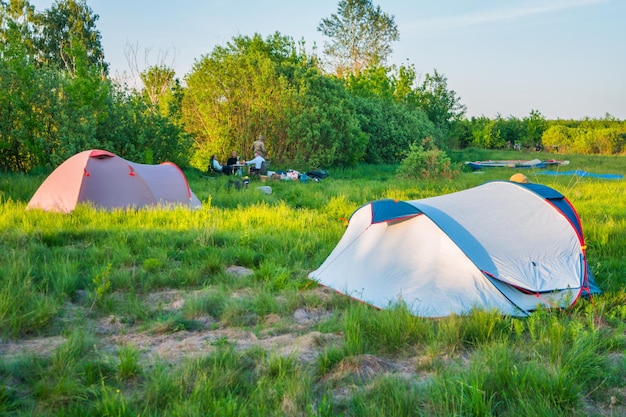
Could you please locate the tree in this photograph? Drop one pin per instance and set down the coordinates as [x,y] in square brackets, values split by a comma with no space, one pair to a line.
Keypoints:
[441,105]
[558,136]
[511,130]
[54,104]
[382,97]
[66,26]
[371,82]
[391,127]
[485,133]
[533,127]
[158,79]
[389,83]
[255,86]
[404,83]
[361,35]
[158,82]
[16,17]
[19,102]
[235,94]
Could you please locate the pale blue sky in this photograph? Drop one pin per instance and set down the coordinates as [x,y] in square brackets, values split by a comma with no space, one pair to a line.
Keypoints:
[564,58]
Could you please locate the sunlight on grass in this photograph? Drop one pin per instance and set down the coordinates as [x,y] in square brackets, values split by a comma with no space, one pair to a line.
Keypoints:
[274,342]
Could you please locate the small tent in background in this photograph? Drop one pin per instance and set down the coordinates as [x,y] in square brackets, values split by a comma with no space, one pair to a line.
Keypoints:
[502,245]
[109,182]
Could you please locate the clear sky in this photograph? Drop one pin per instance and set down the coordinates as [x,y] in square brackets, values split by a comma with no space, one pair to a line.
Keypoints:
[564,58]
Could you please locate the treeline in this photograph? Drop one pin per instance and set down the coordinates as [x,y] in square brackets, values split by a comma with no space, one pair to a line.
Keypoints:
[57,99]
[271,86]
[588,136]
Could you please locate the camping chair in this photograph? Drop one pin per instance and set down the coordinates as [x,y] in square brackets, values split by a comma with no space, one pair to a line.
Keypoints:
[265,166]
[211,171]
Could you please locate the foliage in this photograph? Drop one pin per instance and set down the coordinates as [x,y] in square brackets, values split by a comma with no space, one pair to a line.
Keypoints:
[606,141]
[253,86]
[442,106]
[397,87]
[388,83]
[382,98]
[533,127]
[21,97]
[223,114]
[391,128]
[56,100]
[486,134]
[323,126]
[69,25]
[16,25]
[372,82]
[158,82]
[509,133]
[361,35]
[426,161]
[154,137]
[51,111]
[589,136]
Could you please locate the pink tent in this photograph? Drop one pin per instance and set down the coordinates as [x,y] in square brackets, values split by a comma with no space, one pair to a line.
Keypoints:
[107,181]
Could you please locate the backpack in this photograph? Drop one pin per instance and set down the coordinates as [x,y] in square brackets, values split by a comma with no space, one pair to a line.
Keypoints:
[318,173]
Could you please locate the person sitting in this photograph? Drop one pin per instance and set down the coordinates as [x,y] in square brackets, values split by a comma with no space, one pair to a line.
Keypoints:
[232,161]
[217,167]
[255,163]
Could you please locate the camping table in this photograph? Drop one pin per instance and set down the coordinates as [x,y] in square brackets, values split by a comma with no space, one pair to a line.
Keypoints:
[242,168]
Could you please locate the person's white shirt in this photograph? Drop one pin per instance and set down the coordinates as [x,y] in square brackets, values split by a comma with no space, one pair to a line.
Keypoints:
[257,161]
[216,165]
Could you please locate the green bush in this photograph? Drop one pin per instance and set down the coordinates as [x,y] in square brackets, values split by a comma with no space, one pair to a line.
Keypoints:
[426,161]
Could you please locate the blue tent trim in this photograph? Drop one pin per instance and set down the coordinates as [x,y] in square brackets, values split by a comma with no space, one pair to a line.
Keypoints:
[392,210]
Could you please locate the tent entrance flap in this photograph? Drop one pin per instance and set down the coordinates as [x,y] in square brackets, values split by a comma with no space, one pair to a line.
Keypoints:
[390,210]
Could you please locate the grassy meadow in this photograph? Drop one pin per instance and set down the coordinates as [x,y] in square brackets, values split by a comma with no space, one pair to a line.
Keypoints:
[210,312]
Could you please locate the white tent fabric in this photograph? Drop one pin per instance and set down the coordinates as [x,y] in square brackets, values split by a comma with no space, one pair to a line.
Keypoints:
[108,182]
[497,246]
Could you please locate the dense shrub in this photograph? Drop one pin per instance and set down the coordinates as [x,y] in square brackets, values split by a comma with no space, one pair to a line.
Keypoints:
[391,127]
[426,161]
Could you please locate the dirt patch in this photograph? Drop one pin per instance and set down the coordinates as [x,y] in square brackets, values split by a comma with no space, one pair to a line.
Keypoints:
[176,346]
[38,346]
[294,336]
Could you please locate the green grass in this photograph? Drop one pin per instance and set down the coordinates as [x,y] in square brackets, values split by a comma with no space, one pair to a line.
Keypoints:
[135,313]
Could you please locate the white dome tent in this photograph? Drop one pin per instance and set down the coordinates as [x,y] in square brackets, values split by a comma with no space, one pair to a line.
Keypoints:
[502,245]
